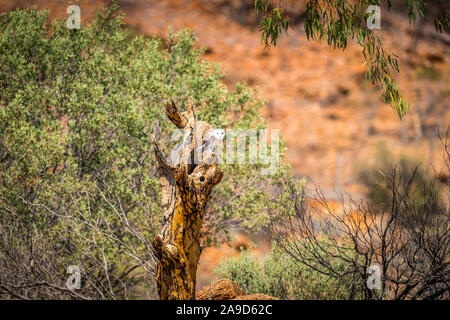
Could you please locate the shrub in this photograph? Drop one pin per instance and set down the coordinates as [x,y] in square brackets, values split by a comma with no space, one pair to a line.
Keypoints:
[78,181]
[379,193]
[397,250]
[281,276]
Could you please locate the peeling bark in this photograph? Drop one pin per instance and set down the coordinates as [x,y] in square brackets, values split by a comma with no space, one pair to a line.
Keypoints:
[186,189]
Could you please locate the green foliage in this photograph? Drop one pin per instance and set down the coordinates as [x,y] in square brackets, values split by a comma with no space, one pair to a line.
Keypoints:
[77,112]
[380,189]
[339,21]
[428,73]
[282,276]
[271,25]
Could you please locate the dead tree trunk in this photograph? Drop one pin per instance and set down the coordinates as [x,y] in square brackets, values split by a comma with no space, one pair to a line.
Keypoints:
[186,187]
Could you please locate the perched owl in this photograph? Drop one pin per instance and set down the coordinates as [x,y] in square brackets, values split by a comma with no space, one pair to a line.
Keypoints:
[211,139]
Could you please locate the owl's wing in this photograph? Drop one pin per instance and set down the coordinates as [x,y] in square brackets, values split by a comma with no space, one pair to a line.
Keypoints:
[208,144]
[208,135]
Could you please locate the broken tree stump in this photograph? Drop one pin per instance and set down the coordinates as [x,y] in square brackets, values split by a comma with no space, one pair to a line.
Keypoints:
[186,187]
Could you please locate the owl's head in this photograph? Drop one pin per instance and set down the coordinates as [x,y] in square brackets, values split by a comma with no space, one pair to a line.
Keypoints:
[218,134]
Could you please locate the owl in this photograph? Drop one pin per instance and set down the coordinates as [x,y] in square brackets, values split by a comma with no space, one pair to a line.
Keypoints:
[211,139]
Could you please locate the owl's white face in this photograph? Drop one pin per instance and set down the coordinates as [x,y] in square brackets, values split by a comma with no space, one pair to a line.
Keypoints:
[219,134]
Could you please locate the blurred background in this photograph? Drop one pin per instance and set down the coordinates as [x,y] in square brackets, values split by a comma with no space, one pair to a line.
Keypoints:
[334,122]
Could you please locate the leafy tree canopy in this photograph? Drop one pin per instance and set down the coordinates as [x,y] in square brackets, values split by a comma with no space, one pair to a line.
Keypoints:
[339,21]
[78,180]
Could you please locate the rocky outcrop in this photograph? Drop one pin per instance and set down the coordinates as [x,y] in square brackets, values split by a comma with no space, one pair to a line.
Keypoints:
[225,289]
[256,296]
